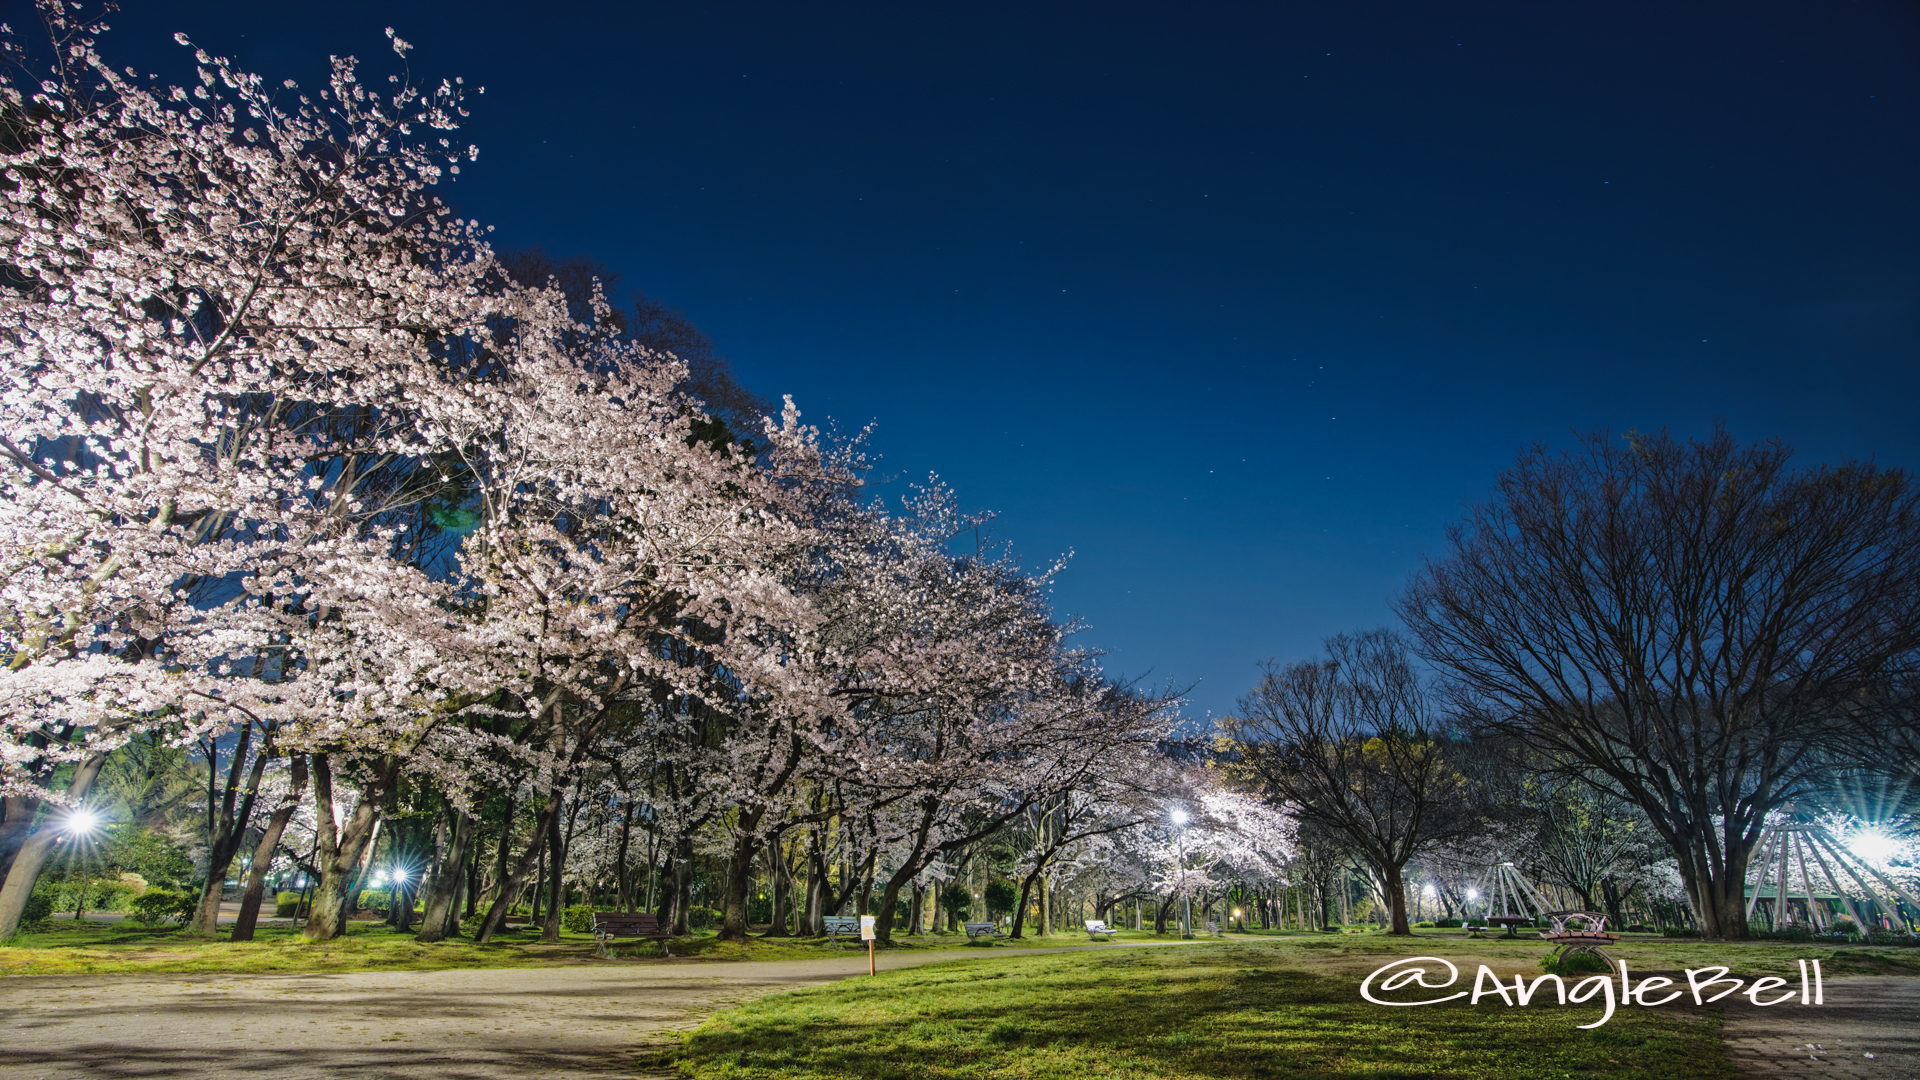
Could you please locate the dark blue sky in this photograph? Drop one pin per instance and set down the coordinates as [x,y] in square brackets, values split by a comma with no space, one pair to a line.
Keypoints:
[1240,303]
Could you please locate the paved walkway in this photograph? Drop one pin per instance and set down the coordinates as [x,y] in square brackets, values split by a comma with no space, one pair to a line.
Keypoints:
[1861,1016]
[552,1023]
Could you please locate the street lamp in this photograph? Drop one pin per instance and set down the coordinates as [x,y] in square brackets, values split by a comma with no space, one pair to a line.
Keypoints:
[1180,819]
[81,822]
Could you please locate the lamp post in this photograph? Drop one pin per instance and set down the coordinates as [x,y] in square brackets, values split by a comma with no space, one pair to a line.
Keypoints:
[1179,817]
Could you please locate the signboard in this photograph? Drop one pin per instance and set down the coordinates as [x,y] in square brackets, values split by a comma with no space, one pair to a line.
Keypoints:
[866,927]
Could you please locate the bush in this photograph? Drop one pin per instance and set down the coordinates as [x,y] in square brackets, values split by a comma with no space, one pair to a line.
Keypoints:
[1636,928]
[1428,925]
[156,906]
[1001,897]
[956,897]
[375,898]
[700,917]
[1448,923]
[39,908]
[285,904]
[1573,962]
[1680,931]
[1844,926]
[578,919]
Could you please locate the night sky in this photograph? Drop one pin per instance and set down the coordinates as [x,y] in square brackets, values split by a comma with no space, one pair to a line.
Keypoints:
[1238,303]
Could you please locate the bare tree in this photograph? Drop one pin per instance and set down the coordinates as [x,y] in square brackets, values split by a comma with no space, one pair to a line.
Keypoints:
[1693,626]
[1352,744]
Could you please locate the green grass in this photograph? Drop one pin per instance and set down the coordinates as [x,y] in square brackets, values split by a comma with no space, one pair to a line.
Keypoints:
[1274,1006]
[60,947]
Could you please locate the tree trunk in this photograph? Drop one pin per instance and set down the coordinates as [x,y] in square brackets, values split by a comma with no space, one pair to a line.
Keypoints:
[915,910]
[340,848]
[442,899]
[16,820]
[557,880]
[1160,913]
[263,854]
[782,875]
[623,879]
[31,857]
[229,830]
[733,924]
[1020,907]
[683,887]
[1397,901]
[512,883]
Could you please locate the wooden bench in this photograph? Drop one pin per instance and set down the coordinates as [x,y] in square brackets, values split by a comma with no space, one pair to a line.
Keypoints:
[1098,930]
[1213,928]
[1590,936]
[840,925]
[983,929]
[629,924]
[608,925]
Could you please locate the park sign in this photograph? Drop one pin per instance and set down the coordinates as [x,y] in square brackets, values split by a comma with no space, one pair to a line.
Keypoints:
[1701,982]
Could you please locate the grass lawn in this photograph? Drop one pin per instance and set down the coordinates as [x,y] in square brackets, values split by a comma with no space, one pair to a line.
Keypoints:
[1250,1007]
[60,947]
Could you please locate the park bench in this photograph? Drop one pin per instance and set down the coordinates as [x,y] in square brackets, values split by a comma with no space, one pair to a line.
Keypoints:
[983,929]
[1590,936]
[838,925]
[1098,930]
[618,924]
[1213,928]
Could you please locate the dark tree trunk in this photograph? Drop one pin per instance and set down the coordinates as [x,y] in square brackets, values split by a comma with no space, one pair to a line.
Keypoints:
[557,884]
[263,854]
[228,826]
[513,881]
[340,847]
[442,899]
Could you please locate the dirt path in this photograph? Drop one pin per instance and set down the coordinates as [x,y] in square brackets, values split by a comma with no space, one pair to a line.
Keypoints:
[556,1023]
[1878,1016]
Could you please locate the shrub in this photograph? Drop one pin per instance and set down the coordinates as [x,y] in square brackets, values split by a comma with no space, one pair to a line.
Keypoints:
[1844,926]
[577,919]
[1636,928]
[1427,925]
[700,917]
[1680,931]
[1573,962]
[1001,897]
[156,906]
[285,904]
[1448,923]
[39,908]
[375,898]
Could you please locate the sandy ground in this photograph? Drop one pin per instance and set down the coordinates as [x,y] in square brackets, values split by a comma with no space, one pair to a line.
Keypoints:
[557,1023]
[606,1022]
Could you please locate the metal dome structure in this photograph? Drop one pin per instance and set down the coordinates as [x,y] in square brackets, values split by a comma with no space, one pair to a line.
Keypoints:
[1790,852]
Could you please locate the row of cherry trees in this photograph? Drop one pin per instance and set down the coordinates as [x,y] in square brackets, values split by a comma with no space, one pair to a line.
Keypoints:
[294,467]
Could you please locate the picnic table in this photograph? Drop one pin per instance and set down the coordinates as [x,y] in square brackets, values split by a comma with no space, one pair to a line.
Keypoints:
[1508,921]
